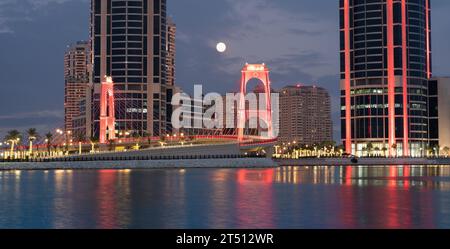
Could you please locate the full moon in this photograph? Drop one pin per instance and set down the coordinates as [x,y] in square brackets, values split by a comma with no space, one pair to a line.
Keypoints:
[221,47]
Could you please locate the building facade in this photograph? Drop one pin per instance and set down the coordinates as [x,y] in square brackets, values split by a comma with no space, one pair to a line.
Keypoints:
[171,51]
[385,55]
[439,112]
[129,43]
[170,64]
[77,70]
[305,115]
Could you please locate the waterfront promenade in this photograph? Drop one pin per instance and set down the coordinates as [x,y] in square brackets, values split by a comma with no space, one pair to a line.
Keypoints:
[362,161]
[226,155]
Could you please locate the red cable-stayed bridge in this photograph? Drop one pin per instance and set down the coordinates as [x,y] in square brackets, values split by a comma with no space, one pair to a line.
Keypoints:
[246,139]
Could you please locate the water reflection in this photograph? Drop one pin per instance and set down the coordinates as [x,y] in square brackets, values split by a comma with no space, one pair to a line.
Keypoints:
[286,197]
[107,195]
[436,177]
[254,200]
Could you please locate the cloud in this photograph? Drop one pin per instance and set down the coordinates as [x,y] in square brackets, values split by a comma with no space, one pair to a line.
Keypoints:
[262,31]
[30,115]
[13,11]
[41,3]
[43,121]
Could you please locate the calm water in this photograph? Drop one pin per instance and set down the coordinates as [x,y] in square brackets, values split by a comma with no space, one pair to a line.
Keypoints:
[289,197]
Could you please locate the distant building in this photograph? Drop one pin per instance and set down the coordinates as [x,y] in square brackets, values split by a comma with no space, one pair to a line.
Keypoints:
[77,69]
[439,112]
[305,115]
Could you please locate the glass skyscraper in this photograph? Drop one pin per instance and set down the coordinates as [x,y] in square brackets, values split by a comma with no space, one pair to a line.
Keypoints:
[385,56]
[129,43]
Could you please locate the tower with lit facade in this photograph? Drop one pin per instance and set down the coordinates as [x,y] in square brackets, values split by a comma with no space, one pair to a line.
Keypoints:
[305,115]
[385,56]
[129,43]
[77,70]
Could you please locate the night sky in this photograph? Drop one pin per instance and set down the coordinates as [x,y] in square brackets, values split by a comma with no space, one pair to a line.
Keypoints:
[298,39]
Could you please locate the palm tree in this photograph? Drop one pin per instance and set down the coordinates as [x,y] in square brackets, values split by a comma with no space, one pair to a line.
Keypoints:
[369,148]
[80,137]
[437,150]
[32,136]
[446,150]
[48,140]
[341,148]
[394,147]
[111,144]
[148,137]
[429,150]
[137,137]
[384,149]
[13,137]
[377,151]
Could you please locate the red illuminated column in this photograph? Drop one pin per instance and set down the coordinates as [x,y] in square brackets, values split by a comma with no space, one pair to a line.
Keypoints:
[268,110]
[391,75]
[405,83]
[241,115]
[261,72]
[107,111]
[348,111]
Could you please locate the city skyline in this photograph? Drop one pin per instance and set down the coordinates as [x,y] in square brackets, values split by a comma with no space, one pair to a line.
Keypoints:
[195,115]
[197,61]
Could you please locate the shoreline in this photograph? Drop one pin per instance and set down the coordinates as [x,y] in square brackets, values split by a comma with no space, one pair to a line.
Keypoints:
[361,161]
[223,163]
[143,164]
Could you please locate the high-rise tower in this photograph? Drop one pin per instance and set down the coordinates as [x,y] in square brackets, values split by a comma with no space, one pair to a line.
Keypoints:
[385,55]
[77,68]
[171,51]
[129,43]
[305,115]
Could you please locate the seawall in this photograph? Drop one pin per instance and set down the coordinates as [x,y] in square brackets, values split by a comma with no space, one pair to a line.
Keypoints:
[361,161]
[143,164]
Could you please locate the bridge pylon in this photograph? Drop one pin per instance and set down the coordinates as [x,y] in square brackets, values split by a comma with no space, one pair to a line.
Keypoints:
[107,111]
[261,72]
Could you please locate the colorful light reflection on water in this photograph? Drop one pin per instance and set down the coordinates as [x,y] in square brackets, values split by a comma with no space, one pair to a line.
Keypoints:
[287,197]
